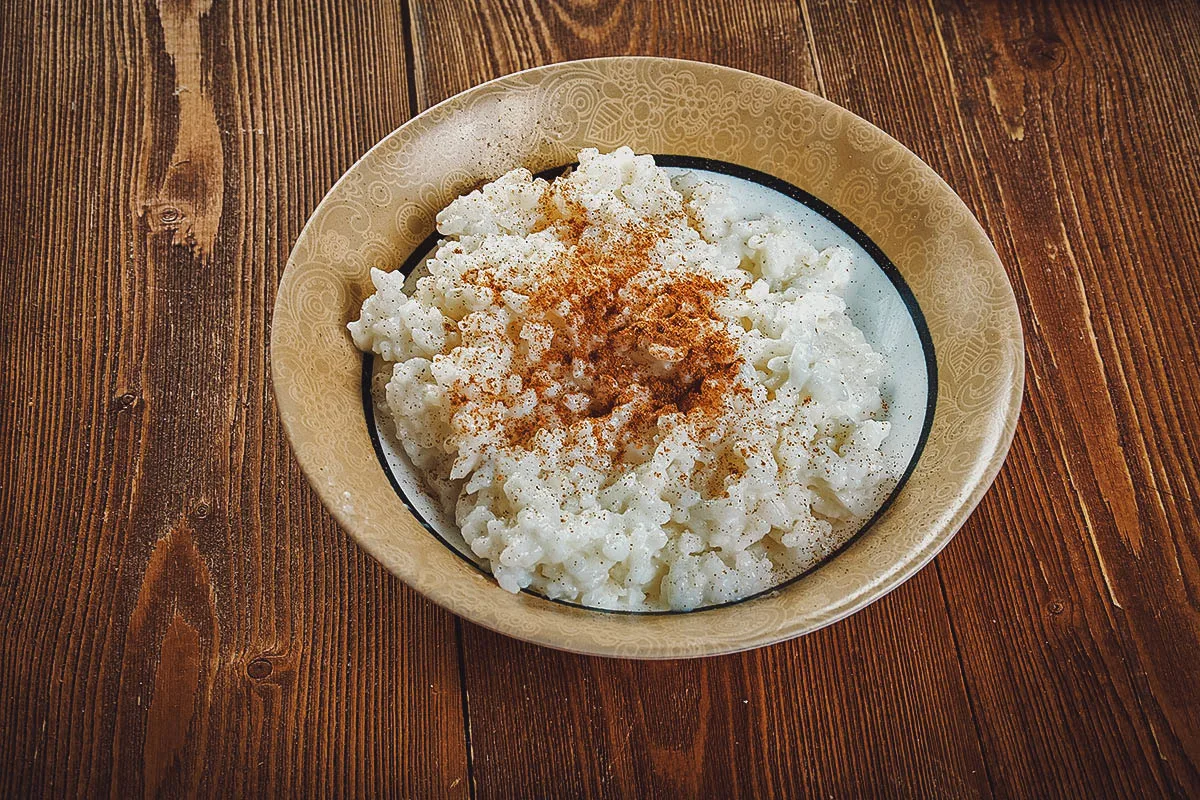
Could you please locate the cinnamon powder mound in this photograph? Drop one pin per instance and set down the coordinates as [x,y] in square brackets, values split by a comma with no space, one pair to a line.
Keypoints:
[637,341]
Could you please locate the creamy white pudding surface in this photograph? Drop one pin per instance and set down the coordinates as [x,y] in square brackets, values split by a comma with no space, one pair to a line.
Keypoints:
[630,395]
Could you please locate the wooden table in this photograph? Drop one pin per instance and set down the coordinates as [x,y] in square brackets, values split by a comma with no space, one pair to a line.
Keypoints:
[180,616]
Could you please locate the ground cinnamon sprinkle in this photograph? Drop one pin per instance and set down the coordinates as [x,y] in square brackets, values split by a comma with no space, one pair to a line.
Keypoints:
[625,336]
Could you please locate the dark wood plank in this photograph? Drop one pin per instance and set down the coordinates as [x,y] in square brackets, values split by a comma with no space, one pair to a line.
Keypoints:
[493,38]
[1069,130]
[875,705]
[179,616]
[872,707]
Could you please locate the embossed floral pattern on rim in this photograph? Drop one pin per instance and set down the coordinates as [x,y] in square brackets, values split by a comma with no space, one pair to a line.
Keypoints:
[384,206]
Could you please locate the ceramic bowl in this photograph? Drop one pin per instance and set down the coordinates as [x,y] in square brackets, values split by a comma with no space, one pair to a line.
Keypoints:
[959,364]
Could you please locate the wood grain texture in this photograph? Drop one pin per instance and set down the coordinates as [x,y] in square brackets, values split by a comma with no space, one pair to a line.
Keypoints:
[872,707]
[178,616]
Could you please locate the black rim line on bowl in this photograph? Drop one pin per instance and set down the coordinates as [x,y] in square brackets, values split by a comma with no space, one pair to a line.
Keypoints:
[423,250]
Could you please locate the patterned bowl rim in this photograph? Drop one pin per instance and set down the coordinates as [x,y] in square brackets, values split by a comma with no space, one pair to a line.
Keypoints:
[331,443]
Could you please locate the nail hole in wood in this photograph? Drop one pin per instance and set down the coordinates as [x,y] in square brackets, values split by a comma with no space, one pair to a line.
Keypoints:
[259,668]
[1040,52]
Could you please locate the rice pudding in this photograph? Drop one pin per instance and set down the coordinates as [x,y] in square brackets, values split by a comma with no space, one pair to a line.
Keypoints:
[630,393]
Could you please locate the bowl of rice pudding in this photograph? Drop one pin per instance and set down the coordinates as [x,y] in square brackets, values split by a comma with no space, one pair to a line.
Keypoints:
[646,358]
